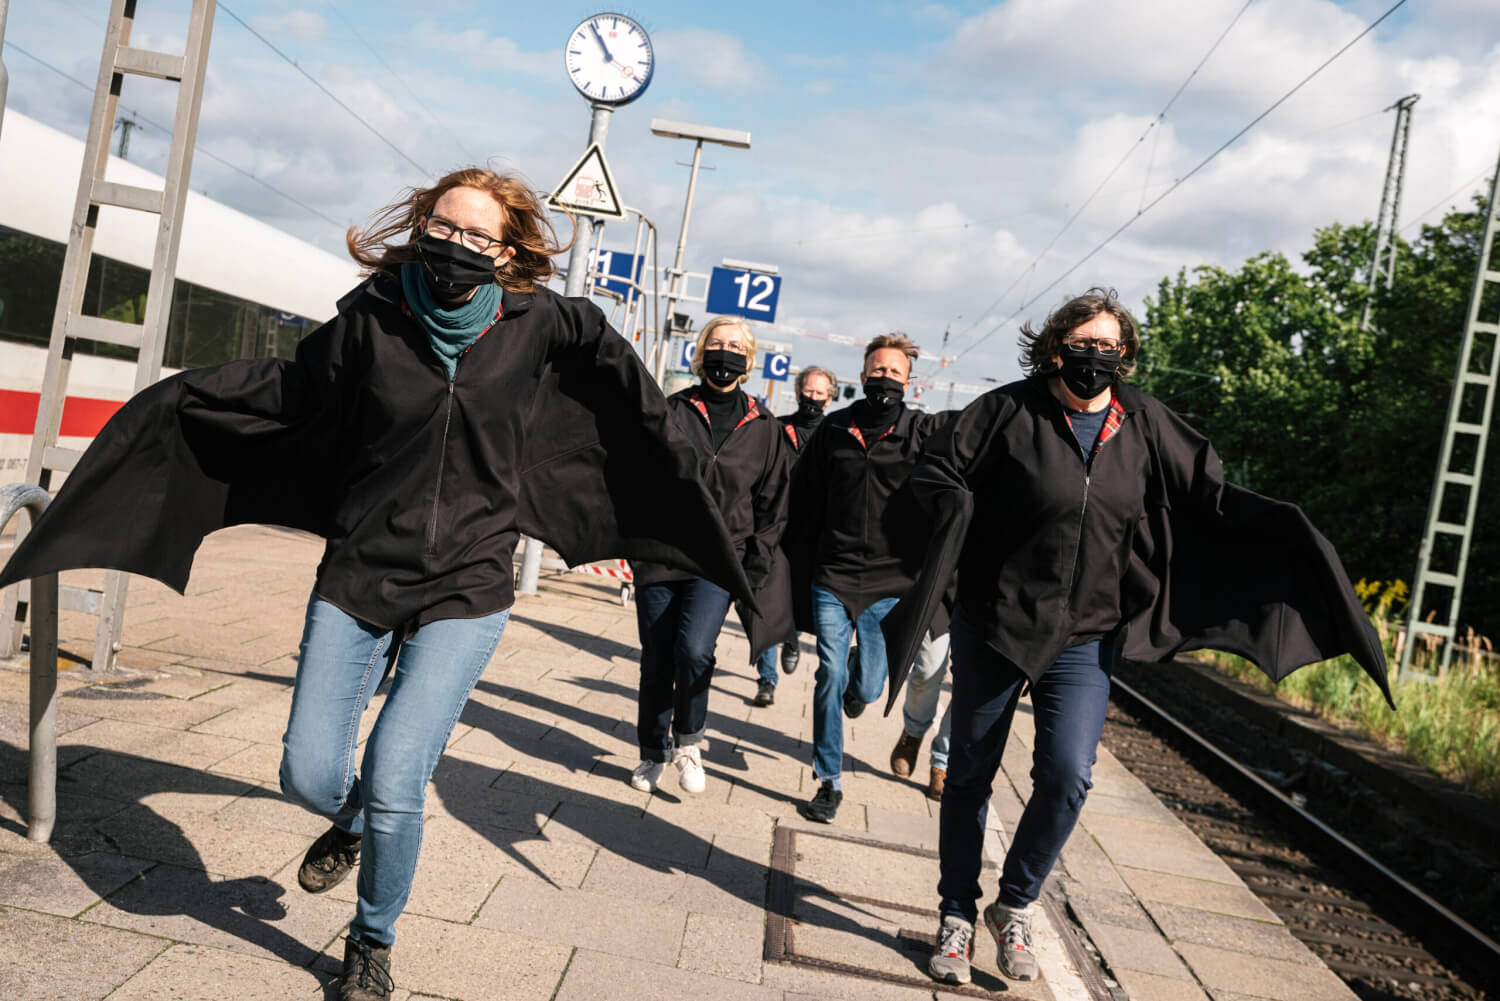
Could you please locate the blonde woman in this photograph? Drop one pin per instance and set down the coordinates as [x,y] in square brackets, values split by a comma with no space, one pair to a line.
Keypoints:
[746,465]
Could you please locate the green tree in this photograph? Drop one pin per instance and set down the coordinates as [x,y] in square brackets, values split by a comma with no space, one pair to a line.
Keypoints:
[1268,360]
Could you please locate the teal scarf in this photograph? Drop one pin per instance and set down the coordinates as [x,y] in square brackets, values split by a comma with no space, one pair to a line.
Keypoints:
[449,331]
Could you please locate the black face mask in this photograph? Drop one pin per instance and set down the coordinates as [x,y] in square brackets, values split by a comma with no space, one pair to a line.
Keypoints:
[453,270]
[1089,373]
[809,408]
[723,368]
[884,393]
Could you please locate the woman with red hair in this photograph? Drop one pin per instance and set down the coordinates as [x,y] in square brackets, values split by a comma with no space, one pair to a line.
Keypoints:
[453,403]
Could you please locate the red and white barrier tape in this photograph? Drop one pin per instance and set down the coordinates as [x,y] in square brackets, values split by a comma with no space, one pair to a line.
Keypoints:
[616,569]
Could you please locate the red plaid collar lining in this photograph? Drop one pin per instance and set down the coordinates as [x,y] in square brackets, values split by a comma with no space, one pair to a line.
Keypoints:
[860,437]
[1112,422]
[752,411]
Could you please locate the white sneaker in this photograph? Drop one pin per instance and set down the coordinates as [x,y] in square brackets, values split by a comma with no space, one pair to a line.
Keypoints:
[646,775]
[689,762]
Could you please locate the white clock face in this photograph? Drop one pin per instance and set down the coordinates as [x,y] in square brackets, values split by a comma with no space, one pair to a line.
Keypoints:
[609,59]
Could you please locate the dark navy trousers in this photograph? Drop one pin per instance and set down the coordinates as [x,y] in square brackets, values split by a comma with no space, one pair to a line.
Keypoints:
[679,623]
[1069,703]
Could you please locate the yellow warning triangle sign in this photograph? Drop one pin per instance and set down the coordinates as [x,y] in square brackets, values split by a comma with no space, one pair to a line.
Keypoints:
[589,188]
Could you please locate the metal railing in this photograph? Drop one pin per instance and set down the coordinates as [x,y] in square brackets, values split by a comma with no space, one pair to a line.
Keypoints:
[41,809]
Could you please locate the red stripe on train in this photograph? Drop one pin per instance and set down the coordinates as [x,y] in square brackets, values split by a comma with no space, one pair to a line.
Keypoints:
[82,416]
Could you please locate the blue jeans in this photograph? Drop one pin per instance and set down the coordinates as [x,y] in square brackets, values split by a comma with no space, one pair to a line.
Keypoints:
[1068,703]
[342,661]
[679,623]
[865,679]
[924,686]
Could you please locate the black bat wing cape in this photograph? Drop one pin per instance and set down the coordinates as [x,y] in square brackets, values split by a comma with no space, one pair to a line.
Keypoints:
[603,471]
[1233,571]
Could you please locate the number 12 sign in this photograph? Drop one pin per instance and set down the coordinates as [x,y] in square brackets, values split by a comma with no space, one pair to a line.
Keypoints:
[751,294]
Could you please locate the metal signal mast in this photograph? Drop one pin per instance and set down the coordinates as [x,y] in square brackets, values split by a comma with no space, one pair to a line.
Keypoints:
[1444,556]
[1383,261]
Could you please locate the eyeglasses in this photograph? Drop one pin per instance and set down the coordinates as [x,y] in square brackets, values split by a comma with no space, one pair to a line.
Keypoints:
[1081,344]
[474,239]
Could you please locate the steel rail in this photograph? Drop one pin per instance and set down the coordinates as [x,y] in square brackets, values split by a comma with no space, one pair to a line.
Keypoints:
[1370,866]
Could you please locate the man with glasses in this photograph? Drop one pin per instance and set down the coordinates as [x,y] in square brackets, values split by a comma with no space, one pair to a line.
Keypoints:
[1081,519]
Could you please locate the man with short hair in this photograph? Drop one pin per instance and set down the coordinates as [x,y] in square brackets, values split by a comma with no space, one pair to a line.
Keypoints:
[840,490]
[814,388]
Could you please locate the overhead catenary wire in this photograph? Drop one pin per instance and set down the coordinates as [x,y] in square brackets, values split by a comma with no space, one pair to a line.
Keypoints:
[1443,200]
[1184,178]
[331,95]
[1129,152]
[200,149]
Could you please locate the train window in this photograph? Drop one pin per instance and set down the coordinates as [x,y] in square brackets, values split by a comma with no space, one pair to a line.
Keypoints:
[205,327]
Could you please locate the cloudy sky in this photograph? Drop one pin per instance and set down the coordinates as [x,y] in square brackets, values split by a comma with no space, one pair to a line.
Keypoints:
[910,163]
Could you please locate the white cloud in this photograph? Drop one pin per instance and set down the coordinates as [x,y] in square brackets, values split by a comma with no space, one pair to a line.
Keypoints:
[711,58]
[481,50]
[299,25]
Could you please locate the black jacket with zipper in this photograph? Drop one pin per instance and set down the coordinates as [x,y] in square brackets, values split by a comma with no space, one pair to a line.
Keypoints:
[748,476]
[1145,544]
[840,535]
[421,485]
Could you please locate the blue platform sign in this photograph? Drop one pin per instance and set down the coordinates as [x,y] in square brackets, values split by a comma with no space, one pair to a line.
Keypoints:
[778,366]
[612,265]
[750,294]
[686,353]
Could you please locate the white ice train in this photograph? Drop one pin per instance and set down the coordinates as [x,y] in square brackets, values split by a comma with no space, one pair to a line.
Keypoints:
[244,289]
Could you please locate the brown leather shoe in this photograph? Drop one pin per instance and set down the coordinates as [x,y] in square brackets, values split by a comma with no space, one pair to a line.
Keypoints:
[935,783]
[904,754]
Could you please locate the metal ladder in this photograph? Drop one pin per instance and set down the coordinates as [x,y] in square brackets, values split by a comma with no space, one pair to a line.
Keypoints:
[1444,556]
[70,325]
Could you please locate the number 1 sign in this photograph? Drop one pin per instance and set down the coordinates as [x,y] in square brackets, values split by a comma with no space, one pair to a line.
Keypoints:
[751,294]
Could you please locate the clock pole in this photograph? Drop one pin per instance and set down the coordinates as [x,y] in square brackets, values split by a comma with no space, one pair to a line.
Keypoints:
[577,282]
[586,237]
[578,258]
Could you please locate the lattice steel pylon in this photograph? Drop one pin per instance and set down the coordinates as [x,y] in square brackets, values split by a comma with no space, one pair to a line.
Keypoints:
[1383,261]
[1444,556]
[70,325]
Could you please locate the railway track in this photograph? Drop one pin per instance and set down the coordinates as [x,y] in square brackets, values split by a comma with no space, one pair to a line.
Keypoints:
[1385,937]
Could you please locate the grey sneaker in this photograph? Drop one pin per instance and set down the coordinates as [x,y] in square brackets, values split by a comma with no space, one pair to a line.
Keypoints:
[955,947]
[1012,930]
[367,972]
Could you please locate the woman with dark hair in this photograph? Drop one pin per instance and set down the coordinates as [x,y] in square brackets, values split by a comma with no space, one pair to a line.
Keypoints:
[747,467]
[1085,521]
[400,433]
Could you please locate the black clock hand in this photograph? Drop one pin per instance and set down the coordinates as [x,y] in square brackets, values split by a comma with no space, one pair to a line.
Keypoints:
[600,39]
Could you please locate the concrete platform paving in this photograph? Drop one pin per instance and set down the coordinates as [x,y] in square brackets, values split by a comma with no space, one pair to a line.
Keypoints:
[543,874]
